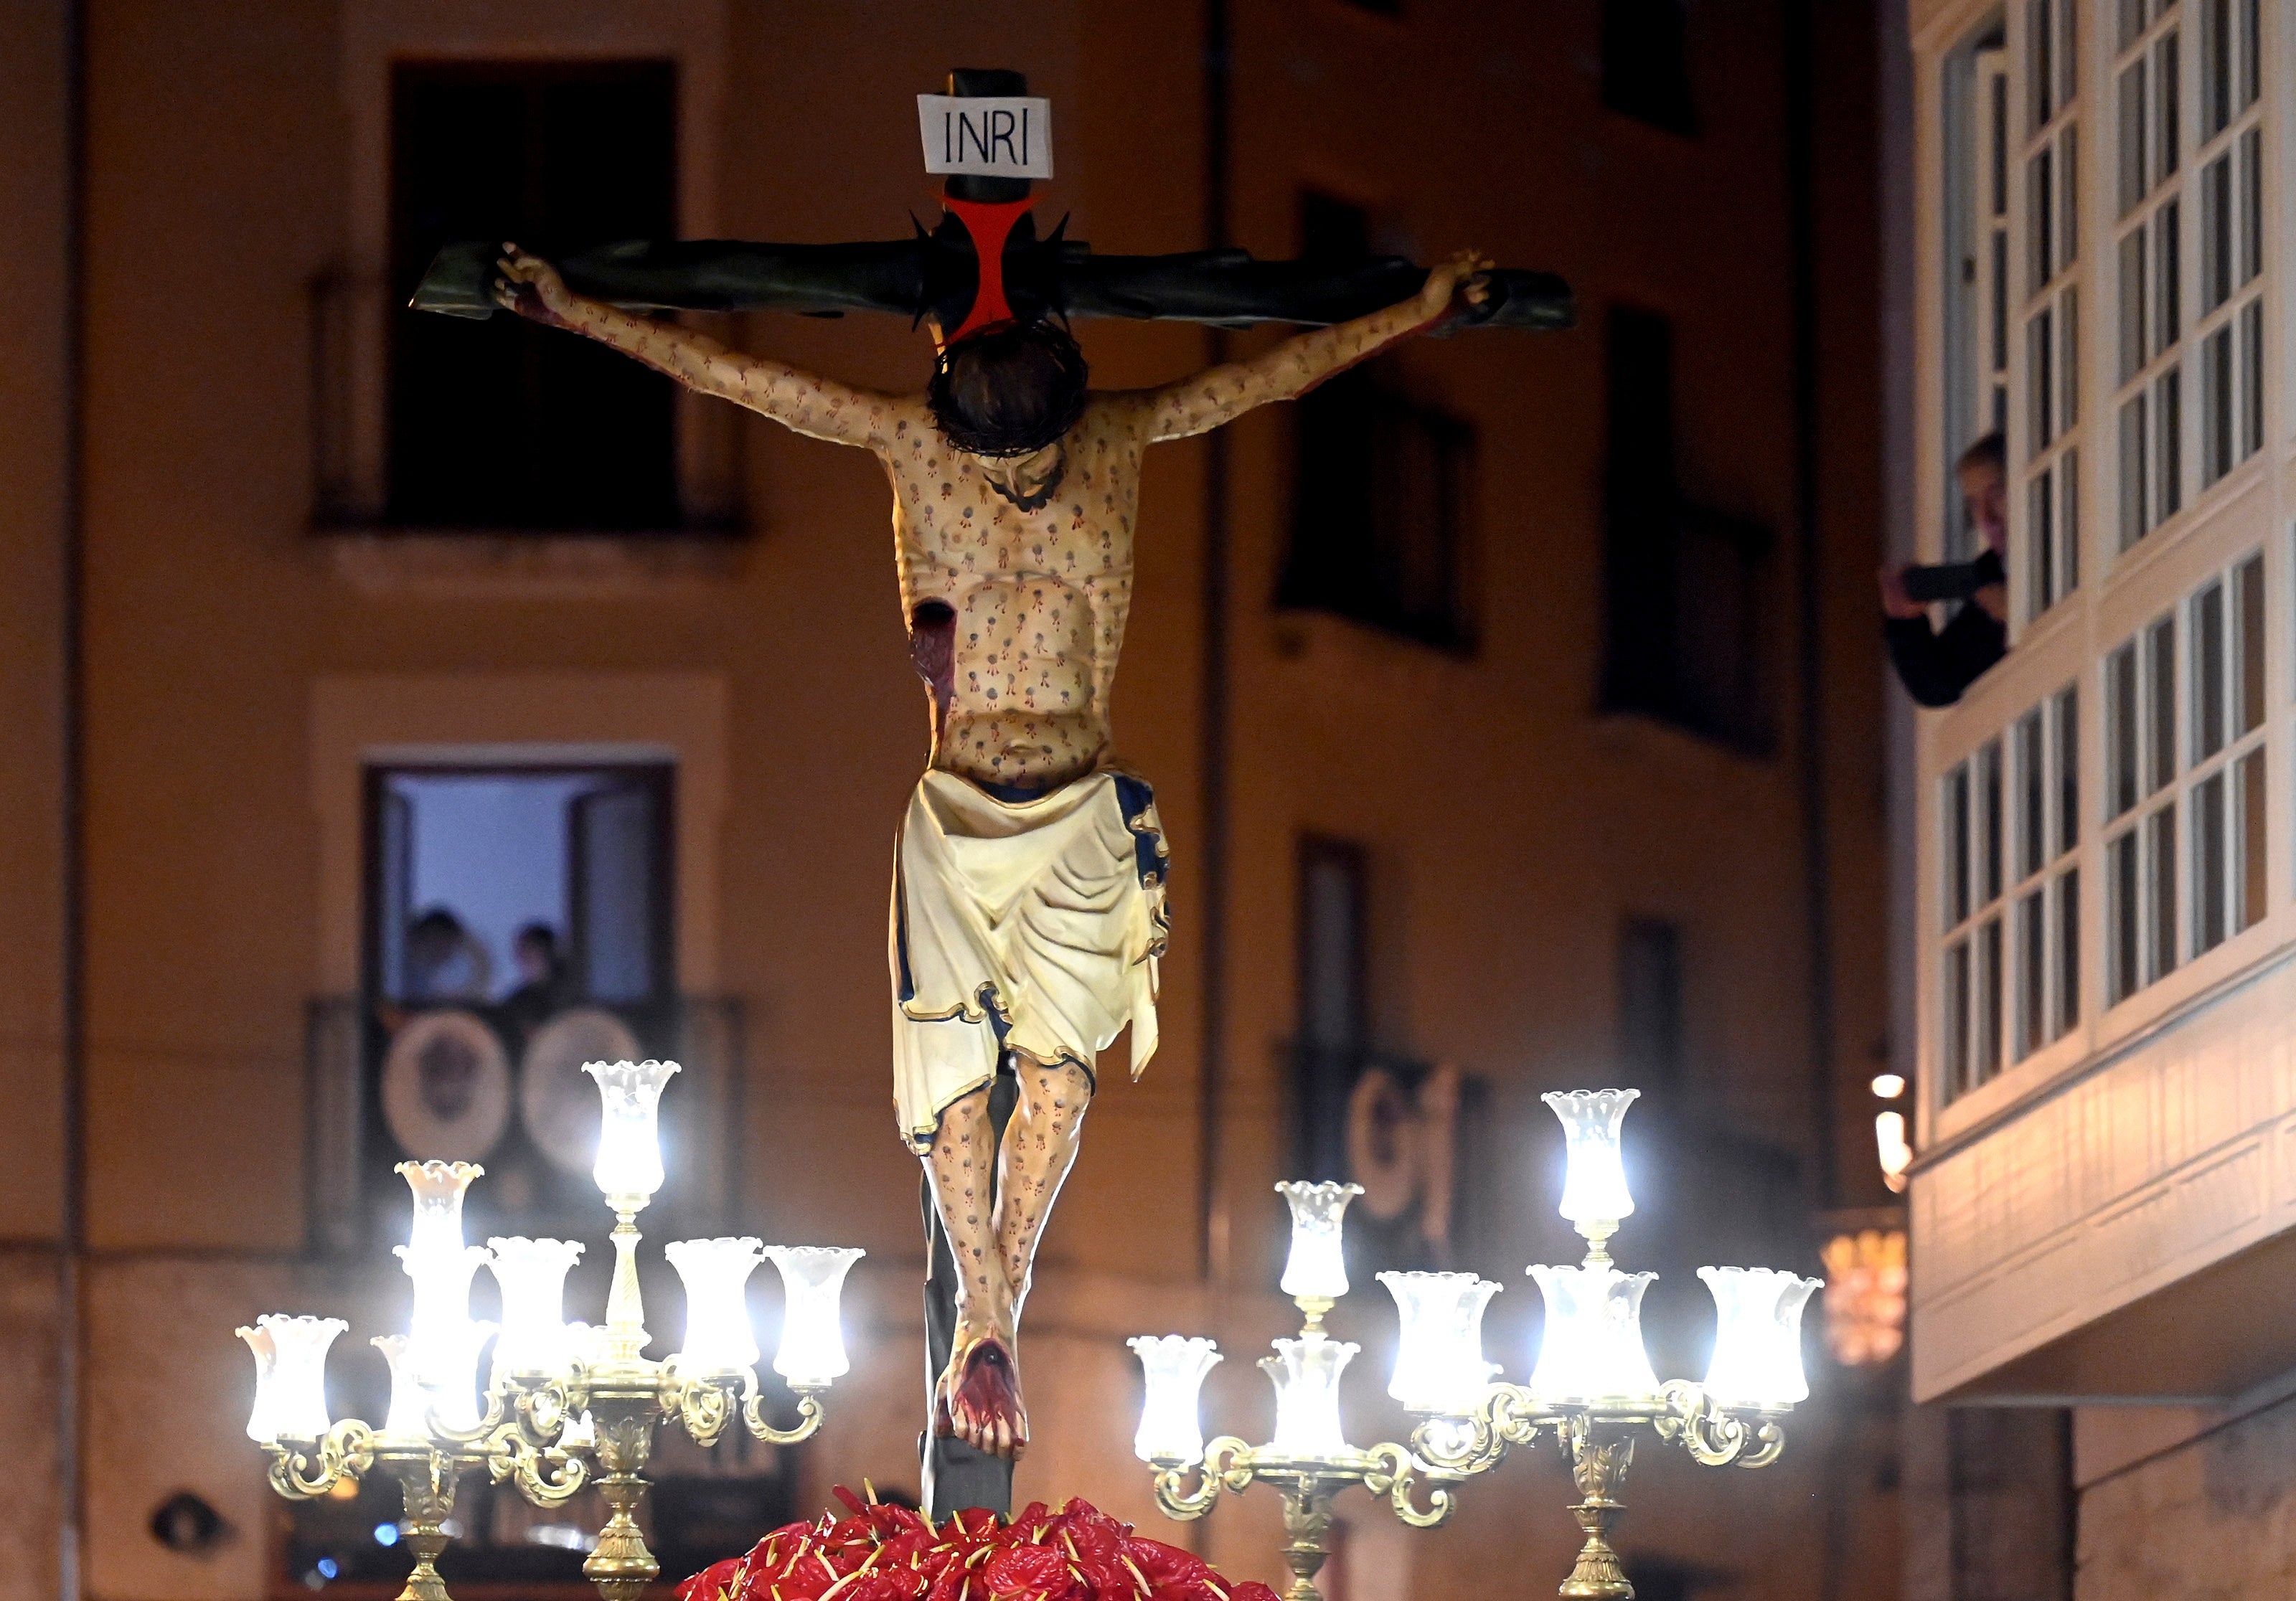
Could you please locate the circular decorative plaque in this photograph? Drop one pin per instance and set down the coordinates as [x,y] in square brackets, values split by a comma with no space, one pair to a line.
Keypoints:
[446,1087]
[558,1100]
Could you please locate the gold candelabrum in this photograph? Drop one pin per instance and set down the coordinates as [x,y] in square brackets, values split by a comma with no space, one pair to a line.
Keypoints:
[1592,1388]
[565,1404]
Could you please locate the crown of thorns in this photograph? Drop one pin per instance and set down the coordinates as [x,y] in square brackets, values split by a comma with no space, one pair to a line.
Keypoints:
[1018,437]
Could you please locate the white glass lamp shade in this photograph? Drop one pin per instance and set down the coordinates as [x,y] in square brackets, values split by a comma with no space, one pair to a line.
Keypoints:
[410,1402]
[1758,1336]
[1317,1271]
[1170,1433]
[813,1348]
[532,1274]
[1438,1360]
[630,1143]
[1305,1374]
[440,1323]
[438,1187]
[1591,1349]
[719,1338]
[1594,1183]
[290,1376]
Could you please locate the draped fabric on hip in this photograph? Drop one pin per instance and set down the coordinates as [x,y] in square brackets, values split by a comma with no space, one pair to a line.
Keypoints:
[1034,925]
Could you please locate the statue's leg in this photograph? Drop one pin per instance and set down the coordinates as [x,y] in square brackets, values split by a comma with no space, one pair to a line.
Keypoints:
[962,1167]
[953,1475]
[982,1385]
[1033,1159]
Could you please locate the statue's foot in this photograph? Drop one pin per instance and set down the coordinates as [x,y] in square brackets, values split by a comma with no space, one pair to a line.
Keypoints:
[978,1398]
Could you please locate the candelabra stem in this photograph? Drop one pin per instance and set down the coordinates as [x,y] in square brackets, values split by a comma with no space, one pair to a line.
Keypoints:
[426,1482]
[625,1330]
[1307,1521]
[621,1567]
[1599,1458]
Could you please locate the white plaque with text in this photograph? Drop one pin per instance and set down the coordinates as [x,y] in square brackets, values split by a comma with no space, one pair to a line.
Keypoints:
[989,136]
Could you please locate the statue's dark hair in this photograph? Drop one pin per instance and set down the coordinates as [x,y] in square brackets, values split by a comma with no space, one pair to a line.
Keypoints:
[1991,451]
[1009,389]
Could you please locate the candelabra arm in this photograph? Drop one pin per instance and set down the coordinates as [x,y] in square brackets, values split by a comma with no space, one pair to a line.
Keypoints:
[548,1476]
[1227,1465]
[808,1417]
[704,1403]
[1772,1440]
[1458,1448]
[304,1470]
[1600,1455]
[1392,1476]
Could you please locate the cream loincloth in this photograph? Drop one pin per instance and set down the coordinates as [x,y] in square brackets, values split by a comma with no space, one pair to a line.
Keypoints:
[1033,927]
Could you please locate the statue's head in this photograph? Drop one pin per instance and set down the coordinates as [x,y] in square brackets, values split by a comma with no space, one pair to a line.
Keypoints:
[1008,389]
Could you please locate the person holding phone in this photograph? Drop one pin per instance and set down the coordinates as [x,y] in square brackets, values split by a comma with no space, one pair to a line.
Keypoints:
[1936,665]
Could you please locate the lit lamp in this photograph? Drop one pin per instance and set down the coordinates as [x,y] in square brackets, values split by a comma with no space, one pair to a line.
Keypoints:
[291,1376]
[1758,1337]
[1592,1386]
[1439,1358]
[813,1344]
[1171,1434]
[535,1338]
[566,1406]
[717,1274]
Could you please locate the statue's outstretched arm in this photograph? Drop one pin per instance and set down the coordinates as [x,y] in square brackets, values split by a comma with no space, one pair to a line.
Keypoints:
[818,407]
[1218,395]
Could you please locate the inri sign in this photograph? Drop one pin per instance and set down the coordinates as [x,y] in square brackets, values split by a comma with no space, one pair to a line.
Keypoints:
[989,136]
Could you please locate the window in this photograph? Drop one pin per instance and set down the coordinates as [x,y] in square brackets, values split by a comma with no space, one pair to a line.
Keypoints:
[2229,161]
[1383,488]
[1685,585]
[1331,1033]
[2150,256]
[1979,132]
[499,902]
[2186,802]
[1646,63]
[1650,1003]
[501,424]
[2049,535]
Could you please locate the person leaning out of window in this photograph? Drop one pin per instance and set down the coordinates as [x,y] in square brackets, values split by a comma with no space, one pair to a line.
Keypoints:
[1937,664]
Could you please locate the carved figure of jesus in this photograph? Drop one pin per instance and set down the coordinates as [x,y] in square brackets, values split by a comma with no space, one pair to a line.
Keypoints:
[1028,913]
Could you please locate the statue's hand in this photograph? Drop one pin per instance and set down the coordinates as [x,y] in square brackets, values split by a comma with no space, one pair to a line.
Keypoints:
[531,286]
[1464,276]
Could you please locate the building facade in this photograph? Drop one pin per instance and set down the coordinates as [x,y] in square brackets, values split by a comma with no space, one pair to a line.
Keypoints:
[2102,1204]
[1544,750]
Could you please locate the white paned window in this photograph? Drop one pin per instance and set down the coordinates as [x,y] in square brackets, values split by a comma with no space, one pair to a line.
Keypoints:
[2149,259]
[2228,167]
[2045,773]
[2048,532]
[2186,811]
[1975,859]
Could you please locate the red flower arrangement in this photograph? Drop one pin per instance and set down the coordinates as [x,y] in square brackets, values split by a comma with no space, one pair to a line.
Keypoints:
[885,1553]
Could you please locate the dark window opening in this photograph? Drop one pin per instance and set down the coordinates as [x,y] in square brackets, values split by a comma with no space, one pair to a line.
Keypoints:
[1646,63]
[1650,1004]
[1685,585]
[501,423]
[1383,486]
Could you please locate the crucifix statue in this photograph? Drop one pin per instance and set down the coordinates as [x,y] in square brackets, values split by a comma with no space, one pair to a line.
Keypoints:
[1028,911]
